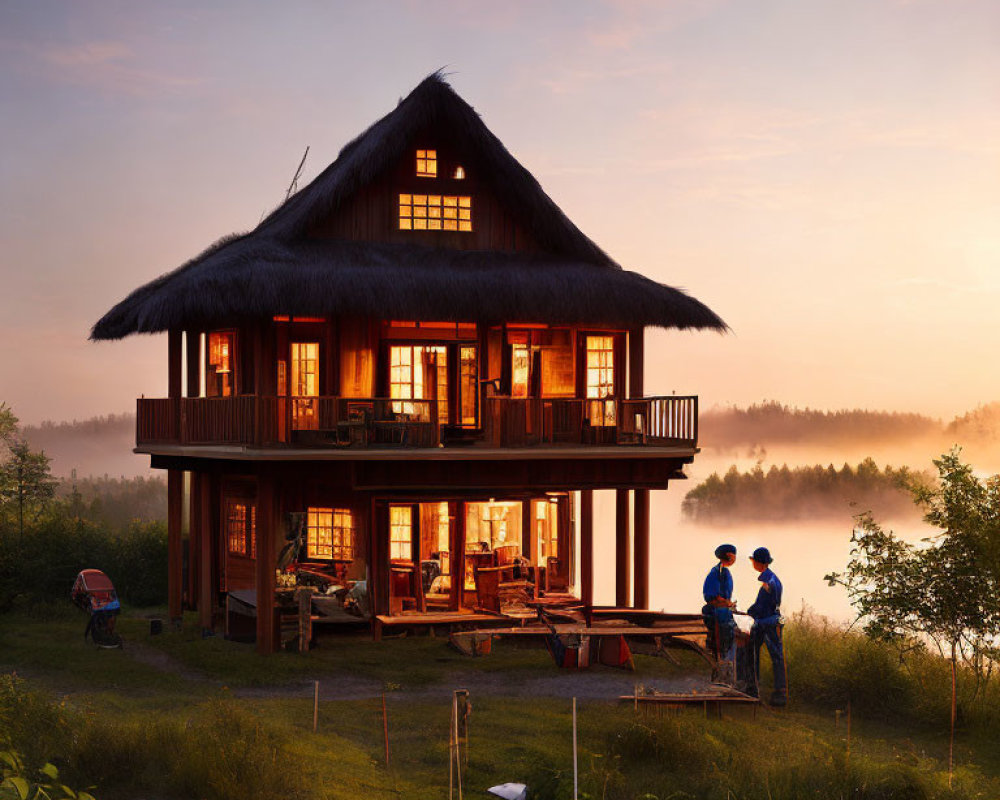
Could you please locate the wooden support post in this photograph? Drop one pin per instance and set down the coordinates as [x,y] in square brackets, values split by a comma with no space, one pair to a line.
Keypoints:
[174,378]
[623,561]
[641,549]
[457,546]
[378,575]
[175,570]
[193,350]
[587,546]
[636,352]
[529,539]
[194,539]
[206,592]
[174,363]
[267,534]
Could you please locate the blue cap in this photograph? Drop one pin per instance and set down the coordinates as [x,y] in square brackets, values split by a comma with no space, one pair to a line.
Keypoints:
[762,555]
[722,549]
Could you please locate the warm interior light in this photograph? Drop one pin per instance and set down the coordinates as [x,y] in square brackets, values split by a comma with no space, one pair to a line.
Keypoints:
[434,212]
[427,163]
[459,173]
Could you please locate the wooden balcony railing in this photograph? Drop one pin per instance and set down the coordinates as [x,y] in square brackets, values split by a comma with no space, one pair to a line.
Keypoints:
[250,420]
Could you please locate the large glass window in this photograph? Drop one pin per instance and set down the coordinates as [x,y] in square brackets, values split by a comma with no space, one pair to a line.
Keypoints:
[600,367]
[305,384]
[330,534]
[600,380]
[419,372]
[401,533]
[435,212]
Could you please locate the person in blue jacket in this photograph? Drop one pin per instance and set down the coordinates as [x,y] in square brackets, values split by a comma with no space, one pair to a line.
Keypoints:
[767,624]
[718,609]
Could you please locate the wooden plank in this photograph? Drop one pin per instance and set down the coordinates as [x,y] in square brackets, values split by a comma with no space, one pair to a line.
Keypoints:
[623,549]
[175,508]
[435,618]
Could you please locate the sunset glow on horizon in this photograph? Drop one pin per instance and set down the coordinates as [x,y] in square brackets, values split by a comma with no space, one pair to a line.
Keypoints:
[823,175]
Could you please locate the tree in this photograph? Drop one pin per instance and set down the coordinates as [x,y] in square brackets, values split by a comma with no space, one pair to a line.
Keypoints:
[946,592]
[8,425]
[26,483]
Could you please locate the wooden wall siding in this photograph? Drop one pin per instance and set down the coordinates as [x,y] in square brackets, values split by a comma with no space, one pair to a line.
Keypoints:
[513,475]
[358,345]
[373,213]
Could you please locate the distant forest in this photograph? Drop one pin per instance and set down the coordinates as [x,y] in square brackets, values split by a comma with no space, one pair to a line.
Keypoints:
[780,494]
[96,446]
[115,502]
[771,422]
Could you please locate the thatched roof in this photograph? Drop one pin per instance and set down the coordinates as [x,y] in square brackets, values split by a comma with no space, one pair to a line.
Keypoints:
[277,269]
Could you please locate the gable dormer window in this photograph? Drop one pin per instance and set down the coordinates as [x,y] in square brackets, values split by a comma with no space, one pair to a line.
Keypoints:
[435,212]
[427,164]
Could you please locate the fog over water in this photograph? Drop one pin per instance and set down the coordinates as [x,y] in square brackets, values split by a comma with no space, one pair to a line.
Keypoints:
[681,552]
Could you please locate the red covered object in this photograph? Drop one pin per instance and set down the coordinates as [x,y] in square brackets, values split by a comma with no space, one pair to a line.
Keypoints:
[94,591]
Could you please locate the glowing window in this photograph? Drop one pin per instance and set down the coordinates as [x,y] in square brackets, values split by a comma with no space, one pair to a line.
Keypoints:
[330,533]
[434,212]
[600,367]
[401,533]
[601,380]
[469,387]
[219,369]
[241,528]
[427,165]
[444,531]
[305,384]
[411,369]
[458,174]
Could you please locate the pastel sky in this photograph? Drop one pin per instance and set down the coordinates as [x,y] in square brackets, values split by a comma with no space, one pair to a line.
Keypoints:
[824,175]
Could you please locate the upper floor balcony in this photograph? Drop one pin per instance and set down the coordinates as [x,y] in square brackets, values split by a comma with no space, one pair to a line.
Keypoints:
[367,424]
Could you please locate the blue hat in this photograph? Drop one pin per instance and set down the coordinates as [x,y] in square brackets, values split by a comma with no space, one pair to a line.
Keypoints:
[722,549]
[762,555]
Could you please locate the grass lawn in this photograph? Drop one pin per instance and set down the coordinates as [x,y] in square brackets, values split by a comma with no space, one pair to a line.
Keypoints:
[177,716]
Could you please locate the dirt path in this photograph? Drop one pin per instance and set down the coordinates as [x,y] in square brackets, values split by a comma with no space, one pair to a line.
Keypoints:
[596,684]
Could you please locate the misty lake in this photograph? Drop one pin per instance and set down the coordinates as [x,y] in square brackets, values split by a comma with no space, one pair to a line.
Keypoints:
[681,552]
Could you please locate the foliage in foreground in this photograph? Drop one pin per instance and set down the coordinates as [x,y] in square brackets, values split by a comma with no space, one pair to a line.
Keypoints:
[200,742]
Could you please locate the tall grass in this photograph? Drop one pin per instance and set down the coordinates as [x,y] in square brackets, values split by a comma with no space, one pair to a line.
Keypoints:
[830,666]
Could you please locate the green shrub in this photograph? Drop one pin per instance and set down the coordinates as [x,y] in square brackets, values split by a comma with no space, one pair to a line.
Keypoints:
[32,723]
[42,564]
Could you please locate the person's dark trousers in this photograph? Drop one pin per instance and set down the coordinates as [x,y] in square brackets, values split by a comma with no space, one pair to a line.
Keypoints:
[770,635]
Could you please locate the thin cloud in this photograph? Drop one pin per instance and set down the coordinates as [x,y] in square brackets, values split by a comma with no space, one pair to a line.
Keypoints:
[108,66]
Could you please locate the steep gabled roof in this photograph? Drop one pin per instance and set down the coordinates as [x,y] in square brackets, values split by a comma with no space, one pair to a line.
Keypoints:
[434,104]
[277,269]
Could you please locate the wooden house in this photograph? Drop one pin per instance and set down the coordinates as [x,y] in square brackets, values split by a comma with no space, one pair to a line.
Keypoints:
[408,379]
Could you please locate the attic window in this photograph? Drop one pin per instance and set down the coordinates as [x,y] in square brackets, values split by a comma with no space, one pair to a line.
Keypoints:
[434,212]
[427,165]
